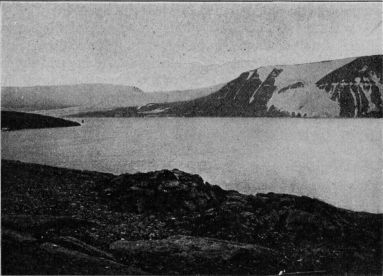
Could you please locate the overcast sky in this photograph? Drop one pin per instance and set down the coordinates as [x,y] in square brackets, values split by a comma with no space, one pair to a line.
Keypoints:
[166,46]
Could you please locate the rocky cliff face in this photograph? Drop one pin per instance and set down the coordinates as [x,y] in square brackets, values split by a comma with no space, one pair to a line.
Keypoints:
[341,88]
[356,87]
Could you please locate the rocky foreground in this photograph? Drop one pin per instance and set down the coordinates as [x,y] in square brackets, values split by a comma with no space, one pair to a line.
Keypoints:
[62,221]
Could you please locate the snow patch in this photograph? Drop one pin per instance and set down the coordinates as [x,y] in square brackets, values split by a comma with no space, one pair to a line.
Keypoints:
[251,73]
[367,93]
[154,111]
[355,102]
[307,73]
[263,73]
[309,100]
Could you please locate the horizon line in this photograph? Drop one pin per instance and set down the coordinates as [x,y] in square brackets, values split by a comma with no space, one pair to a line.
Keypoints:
[193,88]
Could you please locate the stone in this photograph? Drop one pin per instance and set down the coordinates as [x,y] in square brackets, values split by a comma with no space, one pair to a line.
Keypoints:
[75,244]
[188,254]
[161,191]
[40,224]
[84,263]
[17,237]
[56,249]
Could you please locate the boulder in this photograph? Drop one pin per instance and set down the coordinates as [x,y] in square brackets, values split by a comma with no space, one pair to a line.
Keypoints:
[188,254]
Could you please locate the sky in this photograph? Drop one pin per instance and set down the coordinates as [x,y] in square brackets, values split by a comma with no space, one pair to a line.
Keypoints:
[173,46]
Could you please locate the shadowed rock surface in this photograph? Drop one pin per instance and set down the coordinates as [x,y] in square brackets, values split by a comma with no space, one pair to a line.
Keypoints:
[28,256]
[63,221]
[196,255]
[168,191]
[12,120]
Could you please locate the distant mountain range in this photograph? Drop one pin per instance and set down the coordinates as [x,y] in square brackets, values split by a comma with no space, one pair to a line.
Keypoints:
[65,99]
[61,96]
[349,87]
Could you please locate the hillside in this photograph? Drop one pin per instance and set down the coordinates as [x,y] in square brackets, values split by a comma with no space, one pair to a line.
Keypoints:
[349,87]
[63,221]
[68,99]
[181,95]
[61,96]
[11,120]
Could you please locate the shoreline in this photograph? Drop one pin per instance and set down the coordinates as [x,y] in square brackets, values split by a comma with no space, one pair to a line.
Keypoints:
[68,214]
[95,173]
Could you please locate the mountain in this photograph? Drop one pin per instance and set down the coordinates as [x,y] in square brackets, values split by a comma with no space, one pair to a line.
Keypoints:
[62,96]
[350,87]
[68,99]
[181,95]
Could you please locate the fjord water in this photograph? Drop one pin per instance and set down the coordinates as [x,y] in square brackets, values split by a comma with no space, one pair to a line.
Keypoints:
[336,160]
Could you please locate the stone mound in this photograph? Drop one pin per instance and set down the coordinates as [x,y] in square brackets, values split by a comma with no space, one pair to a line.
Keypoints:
[165,191]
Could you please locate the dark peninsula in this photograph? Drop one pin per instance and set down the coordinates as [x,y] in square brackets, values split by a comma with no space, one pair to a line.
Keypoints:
[12,120]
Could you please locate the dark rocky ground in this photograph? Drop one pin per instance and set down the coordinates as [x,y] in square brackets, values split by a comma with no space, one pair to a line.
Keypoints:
[62,221]
[12,120]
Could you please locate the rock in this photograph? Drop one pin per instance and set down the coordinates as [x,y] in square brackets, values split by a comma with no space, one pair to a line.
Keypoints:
[75,244]
[247,215]
[188,254]
[18,238]
[24,255]
[40,224]
[85,262]
[56,249]
[301,219]
[161,191]
[308,233]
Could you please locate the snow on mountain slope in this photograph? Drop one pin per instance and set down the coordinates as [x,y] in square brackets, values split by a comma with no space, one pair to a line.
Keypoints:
[307,101]
[308,72]
[350,87]
[305,98]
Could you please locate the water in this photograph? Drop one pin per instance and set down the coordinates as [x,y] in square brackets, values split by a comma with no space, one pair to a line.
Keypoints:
[339,161]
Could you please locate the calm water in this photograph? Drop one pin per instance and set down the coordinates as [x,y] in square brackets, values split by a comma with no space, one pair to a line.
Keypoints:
[339,161]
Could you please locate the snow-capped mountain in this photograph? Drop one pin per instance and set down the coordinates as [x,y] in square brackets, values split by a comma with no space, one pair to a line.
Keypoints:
[350,87]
